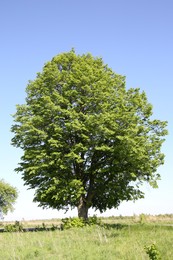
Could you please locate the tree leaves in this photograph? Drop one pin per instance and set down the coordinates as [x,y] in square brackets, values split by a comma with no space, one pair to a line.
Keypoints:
[8,196]
[85,136]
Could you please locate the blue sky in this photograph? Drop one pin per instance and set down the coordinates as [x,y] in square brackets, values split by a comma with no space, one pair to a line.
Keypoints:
[134,38]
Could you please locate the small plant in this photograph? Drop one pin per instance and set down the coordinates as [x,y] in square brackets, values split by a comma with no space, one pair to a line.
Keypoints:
[41,228]
[79,222]
[9,228]
[54,227]
[93,221]
[153,252]
[17,227]
[72,222]
[142,218]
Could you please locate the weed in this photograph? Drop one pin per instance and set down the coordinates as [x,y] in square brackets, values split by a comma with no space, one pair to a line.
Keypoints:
[142,218]
[153,252]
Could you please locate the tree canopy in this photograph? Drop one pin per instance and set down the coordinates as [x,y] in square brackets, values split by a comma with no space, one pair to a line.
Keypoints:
[8,196]
[87,140]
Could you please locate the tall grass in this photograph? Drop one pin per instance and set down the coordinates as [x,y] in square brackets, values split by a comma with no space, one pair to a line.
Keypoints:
[111,241]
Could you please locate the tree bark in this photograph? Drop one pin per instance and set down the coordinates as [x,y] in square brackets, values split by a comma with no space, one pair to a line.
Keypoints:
[82,209]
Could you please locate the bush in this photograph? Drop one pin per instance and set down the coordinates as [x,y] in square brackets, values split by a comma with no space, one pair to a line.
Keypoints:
[79,222]
[93,221]
[153,252]
[17,227]
[72,222]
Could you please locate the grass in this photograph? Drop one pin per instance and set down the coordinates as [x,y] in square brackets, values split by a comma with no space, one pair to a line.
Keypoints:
[116,239]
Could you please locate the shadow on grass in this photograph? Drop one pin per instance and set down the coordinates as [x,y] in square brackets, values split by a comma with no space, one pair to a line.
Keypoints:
[116,226]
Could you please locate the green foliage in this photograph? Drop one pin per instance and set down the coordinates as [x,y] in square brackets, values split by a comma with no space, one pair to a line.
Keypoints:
[8,196]
[94,221]
[153,252]
[45,227]
[72,222]
[142,218]
[17,227]
[80,222]
[87,141]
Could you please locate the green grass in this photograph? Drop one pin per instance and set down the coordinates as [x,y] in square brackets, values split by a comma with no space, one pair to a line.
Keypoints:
[111,241]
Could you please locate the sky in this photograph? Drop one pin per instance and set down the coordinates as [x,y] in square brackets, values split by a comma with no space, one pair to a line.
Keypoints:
[134,38]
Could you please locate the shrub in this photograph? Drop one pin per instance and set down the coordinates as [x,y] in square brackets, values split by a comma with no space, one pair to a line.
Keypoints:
[153,252]
[79,222]
[72,222]
[93,221]
[17,227]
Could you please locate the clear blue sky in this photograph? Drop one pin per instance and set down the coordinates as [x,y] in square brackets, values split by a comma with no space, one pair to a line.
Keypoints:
[135,38]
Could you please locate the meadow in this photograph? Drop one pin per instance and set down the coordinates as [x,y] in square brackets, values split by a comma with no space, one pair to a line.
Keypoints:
[117,238]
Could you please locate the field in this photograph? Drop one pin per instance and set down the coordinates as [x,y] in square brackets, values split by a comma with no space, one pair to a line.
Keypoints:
[119,238]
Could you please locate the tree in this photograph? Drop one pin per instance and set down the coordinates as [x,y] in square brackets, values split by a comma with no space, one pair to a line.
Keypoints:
[8,196]
[87,140]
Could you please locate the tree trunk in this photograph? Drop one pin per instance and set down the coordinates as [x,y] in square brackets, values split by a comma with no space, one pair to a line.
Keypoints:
[82,209]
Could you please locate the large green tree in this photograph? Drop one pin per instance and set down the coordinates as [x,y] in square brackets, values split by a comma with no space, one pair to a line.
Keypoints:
[8,196]
[87,140]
